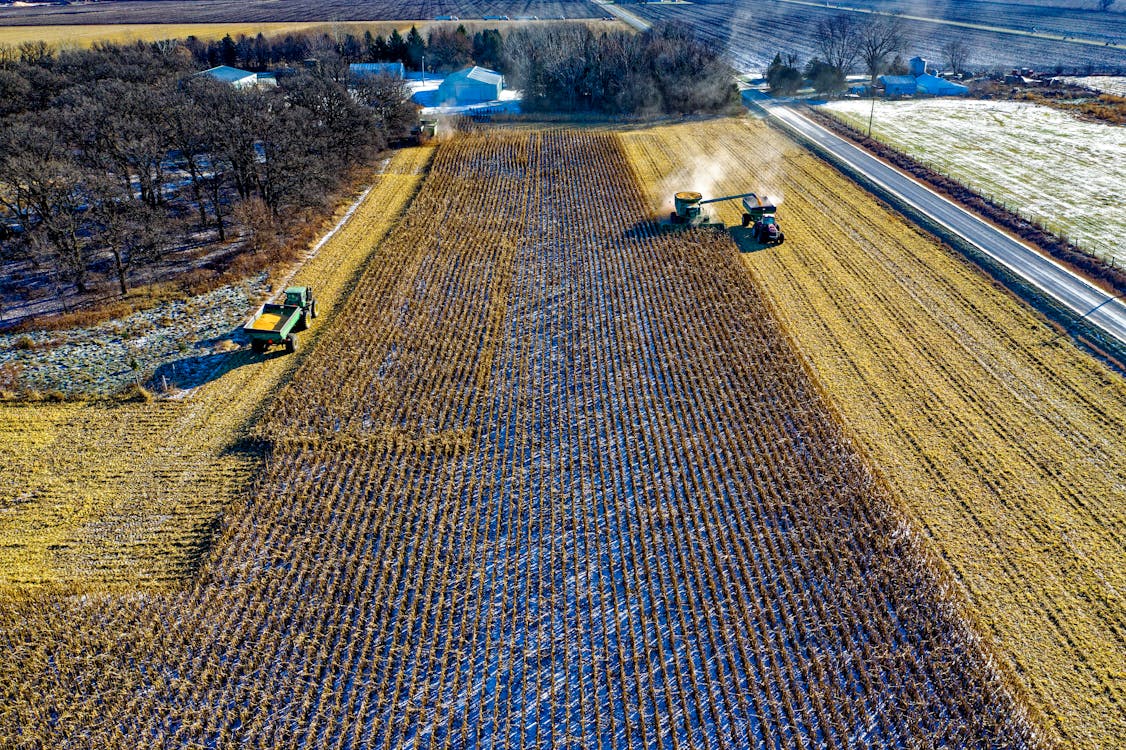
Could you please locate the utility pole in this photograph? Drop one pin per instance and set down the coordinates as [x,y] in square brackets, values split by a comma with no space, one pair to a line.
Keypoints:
[872,112]
[424,68]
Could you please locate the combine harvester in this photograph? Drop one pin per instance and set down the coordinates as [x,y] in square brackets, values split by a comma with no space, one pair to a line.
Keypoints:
[688,213]
[279,324]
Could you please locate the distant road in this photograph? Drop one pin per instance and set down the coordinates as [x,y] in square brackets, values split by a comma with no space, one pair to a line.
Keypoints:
[624,15]
[1076,293]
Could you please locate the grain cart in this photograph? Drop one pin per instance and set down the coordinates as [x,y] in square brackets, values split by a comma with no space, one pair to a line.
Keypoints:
[766,228]
[688,211]
[279,323]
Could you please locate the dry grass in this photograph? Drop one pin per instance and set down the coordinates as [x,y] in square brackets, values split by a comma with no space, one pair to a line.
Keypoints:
[1004,444]
[99,494]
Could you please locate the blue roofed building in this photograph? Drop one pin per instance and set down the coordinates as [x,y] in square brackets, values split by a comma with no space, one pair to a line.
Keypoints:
[920,82]
[239,78]
[898,85]
[470,86]
[928,85]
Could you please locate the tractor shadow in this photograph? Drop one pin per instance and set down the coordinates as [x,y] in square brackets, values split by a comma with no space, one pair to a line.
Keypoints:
[744,237]
[195,370]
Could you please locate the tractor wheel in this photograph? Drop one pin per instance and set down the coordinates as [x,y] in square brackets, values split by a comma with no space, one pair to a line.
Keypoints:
[781,238]
[312,308]
[258,346]
[290,344]
[746,220]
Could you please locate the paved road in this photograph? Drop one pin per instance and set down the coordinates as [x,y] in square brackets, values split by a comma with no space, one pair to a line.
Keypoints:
[1082,297]
[624,15]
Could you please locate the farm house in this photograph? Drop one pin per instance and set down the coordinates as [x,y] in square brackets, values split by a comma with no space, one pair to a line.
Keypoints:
[366,70]
[470,86]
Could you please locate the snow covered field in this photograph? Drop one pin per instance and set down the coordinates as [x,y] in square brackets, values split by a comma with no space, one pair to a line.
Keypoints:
[1040,162]
[1103,84]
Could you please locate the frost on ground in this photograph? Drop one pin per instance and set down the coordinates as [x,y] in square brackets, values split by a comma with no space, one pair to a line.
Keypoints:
[1103,84]
[189,335]
[1040,162]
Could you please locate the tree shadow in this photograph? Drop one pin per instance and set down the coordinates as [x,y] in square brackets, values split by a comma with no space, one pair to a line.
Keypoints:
[196,370]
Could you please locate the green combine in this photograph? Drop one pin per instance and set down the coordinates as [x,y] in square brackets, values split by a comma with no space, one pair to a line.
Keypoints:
[279,324]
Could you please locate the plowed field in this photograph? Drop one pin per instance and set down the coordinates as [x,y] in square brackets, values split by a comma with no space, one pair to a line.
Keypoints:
[549,480]
[1004,443]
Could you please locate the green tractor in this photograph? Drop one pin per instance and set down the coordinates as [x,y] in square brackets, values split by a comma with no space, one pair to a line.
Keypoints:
[279,323]
[689,212]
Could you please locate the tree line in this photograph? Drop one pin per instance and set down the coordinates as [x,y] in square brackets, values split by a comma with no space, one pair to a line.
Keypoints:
[845,44]
[569,67]
[443,49]
[113,157]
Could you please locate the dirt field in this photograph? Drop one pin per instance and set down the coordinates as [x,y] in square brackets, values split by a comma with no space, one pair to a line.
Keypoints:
[291,11]
[1003,443]
[998,35]
[87,34]
[96,495]
[549,479]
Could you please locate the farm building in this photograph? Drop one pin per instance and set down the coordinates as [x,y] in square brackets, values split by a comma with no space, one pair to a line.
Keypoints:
[928,85]
[919,82]
[470,86]
[898,85]
[365,70]
[239,78]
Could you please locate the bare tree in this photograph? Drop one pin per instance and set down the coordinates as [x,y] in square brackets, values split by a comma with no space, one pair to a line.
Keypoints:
[135,233]
[838,41]
[880,39]
[389,99]
[956,52]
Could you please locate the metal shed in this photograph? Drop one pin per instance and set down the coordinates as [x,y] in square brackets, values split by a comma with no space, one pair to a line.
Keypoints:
[470,86]
[935,86]
[234,76]
[898,85]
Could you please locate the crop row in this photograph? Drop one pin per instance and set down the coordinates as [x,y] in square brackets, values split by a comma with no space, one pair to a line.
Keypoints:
[1003,442]
[649,531]
[220,11]
[753,33]
[101,494]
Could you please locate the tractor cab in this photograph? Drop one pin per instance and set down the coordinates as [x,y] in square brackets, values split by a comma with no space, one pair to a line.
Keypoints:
[298,296]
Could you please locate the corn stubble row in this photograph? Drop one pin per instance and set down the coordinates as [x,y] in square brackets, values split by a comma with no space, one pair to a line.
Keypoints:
[100,495]
[1002,441]
[552,480]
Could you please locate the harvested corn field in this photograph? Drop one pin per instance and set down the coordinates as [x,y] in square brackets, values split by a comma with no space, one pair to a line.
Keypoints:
[1003,442]
[96,495]
[608,509]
